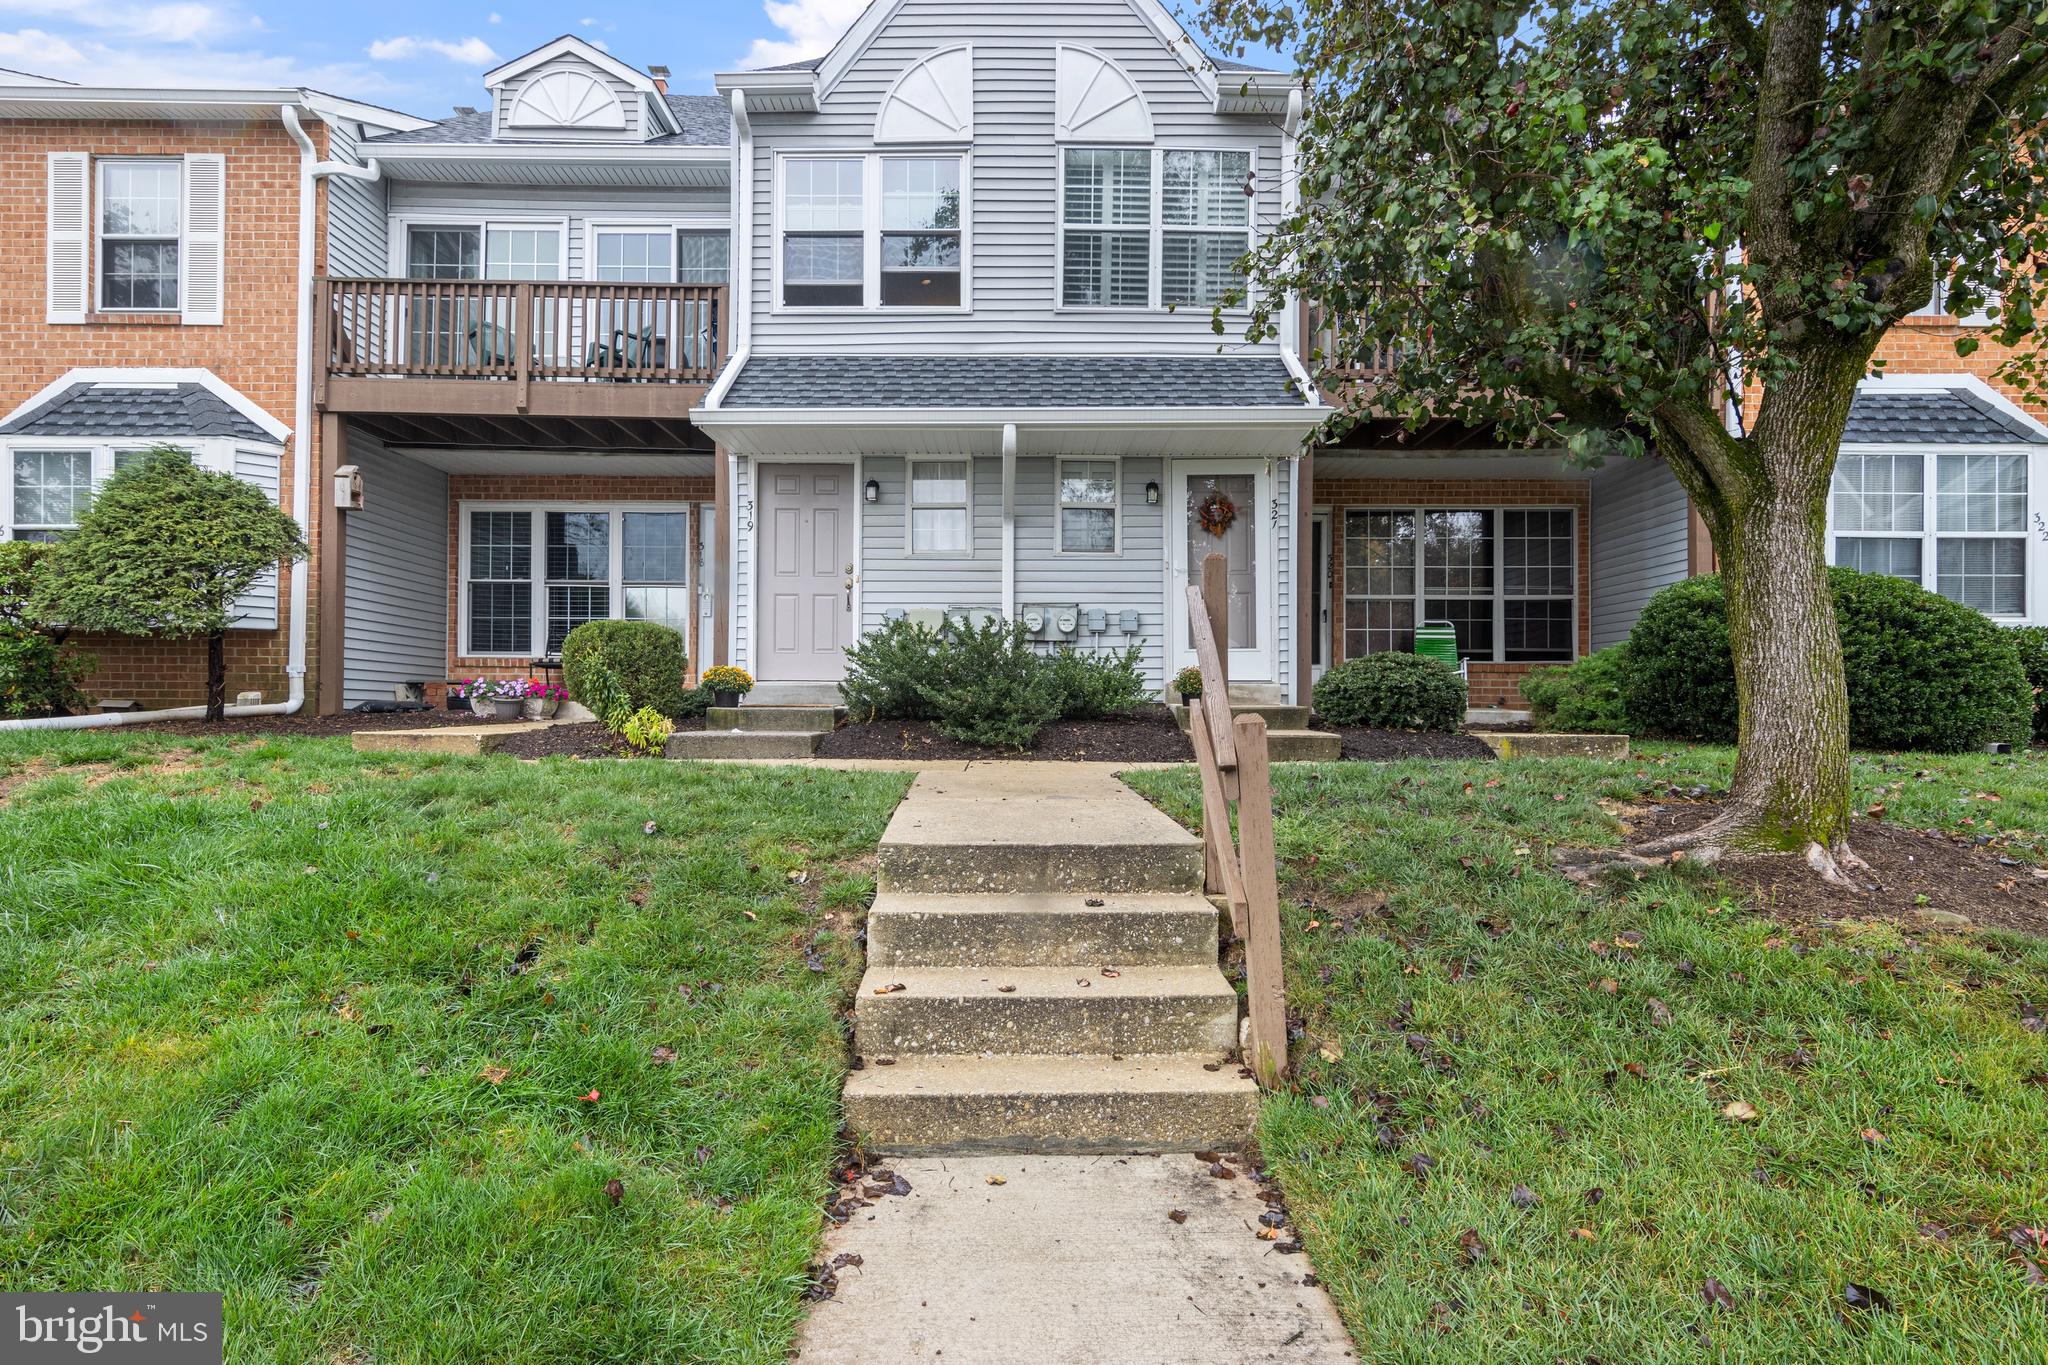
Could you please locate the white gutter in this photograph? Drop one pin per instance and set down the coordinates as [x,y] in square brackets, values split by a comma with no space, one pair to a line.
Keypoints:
[107,719]
[1010,521]
[1290,199]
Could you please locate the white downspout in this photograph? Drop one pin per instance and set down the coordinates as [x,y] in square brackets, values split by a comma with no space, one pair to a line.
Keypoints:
[1009,521]
[1290,199]
[310,170]
[742,326]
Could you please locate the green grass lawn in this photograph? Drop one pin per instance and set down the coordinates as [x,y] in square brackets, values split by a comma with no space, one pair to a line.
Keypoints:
[1507,1028]
[362,1041]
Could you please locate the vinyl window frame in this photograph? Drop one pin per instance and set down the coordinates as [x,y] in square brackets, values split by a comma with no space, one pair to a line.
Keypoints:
[1115,506]
[1155,289]
[671,227]
[911,506]
[1499,597]
[100,237]
[1930,536]
[871,229]
[402,225]
[538,579]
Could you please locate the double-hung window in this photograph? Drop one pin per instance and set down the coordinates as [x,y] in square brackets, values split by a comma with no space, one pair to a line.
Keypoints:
[141,222]
[533,574]
[1145,229]
[941,508]
[881,231]
[1088,507]
[1505,578]
[1952,521]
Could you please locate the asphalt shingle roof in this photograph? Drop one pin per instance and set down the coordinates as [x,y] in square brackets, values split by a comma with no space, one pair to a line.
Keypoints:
[1079,381]
[706,121]
[1949,417]
[103,410]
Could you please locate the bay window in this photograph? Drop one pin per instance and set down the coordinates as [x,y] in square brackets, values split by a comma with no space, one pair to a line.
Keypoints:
[530,575]
[1505,578]
[941,515]
[1953,521]
[882,231]
[1145,229]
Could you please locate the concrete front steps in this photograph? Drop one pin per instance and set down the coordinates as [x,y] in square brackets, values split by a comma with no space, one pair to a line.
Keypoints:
[758,731]
[1042,976]
[1288,738]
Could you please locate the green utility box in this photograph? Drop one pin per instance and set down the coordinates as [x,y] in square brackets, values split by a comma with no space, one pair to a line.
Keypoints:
[1438,640]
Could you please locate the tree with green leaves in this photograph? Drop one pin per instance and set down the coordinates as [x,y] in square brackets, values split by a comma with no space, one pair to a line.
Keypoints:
[1587,224]
[165,550]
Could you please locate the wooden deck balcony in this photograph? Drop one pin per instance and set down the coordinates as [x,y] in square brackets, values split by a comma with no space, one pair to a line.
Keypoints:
[1319,334]
[544,349]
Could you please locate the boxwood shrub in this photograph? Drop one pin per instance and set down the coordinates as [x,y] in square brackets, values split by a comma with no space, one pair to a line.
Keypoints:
[649,660]
[1580,698]
[1392,691]
[2032,644]
[1923,672]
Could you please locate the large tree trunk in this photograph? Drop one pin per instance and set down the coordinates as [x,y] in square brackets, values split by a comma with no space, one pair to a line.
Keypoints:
[217,676]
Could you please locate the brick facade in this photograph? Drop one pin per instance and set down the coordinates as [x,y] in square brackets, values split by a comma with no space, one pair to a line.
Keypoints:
[253,350]
[1491,684]
[553,488]
[1927,345]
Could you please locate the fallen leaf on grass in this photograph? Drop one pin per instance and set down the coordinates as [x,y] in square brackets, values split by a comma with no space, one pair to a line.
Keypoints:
[662,1056]
[1585,1234]
[1471,1246]
[495,1074]
[1873,1137]
[649,828]
[615,1190]
[1522,1197]
[1740,1111]
[1865,1299]
[1715,1294]
[1660,1013]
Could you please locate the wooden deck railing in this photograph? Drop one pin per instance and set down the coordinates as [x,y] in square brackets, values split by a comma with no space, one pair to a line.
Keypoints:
[522,331]
[1235,768]
[1320,336]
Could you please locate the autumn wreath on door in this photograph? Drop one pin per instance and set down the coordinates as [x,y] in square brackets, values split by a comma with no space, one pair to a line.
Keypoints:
[1216,514]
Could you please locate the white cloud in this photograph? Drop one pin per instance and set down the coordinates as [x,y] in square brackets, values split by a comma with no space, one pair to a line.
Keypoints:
[496,17]
[811,26]
[90,59]
[469,51]
[183,22]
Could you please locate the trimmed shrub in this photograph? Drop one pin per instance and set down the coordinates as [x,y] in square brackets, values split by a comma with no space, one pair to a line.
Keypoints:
[884,672]
[648,659]
[604,692]
[1392,691]
[987,686]
[2032,644]
[37,678]
[1923,672]
[1580,698]
[1097,684]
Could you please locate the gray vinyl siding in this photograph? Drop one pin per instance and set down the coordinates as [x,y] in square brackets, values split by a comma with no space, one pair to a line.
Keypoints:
[395,623]
[1014,239]
[1132,580]
[580,207]
[256,609]
[892,577]
[1640,524]
[356,233]
[632,101]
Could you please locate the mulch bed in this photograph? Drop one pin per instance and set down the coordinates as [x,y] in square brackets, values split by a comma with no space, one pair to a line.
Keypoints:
[1911,872]
[1148,735]
[572,741]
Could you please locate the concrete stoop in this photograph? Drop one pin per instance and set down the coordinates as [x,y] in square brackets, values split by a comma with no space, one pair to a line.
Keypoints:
[1288,738]
[1042,975]
[744,744]
[775,719]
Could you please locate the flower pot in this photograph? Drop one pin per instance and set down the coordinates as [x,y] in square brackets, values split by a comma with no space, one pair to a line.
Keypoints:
[539,708]
[725,699]
[507,708]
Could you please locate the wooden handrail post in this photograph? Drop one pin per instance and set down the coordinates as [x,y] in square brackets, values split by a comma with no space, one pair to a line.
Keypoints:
[1216,599]
[324,325]
[1219,848]
[1265,979]
[523,338]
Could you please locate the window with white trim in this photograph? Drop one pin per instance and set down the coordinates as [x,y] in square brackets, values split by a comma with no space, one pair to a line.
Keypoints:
[1952,521]
[882,231]
[533,574]
[1146,229]
[483,251]
[1506,578]
[1088,507]
[51,490]
[141,224]
[941,507]
[657,254]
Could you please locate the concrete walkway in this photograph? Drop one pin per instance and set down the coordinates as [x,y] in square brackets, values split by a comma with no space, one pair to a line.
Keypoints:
[1045,1038]
[1070,1261]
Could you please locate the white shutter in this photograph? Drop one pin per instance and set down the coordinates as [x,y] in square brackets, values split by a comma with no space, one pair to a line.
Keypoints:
[67,275]
[203,252]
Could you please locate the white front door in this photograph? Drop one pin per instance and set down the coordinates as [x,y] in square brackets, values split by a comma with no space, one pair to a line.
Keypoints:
[806,554]
[1237,498]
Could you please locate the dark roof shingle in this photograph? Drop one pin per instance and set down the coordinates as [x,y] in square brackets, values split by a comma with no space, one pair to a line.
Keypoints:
[1946,417]
[1033,381]
[105,410]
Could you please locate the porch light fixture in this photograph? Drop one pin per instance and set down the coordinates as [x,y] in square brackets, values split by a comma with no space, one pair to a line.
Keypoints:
[1152,494]
[873,492]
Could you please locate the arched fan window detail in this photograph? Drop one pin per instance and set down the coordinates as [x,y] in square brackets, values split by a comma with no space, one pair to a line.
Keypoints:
[568,99]
[933,101]
[1098,100]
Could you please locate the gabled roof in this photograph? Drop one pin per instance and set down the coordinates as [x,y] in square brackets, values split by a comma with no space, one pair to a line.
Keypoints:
[1955,416]
[135,412]
[9,76]
[1013,381]
[702,121]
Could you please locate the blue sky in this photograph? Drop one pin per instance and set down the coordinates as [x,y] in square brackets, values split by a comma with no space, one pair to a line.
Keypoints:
[421,58]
